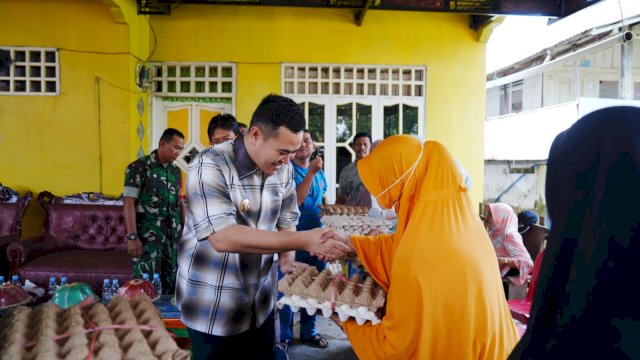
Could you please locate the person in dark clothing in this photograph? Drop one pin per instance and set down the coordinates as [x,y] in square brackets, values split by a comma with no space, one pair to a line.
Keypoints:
[526,219]
[582,306]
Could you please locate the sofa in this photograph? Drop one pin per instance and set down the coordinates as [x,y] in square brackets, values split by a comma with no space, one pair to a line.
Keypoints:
[83,239]
[12,208]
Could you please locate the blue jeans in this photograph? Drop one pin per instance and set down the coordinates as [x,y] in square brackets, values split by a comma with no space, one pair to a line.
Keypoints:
[307,323]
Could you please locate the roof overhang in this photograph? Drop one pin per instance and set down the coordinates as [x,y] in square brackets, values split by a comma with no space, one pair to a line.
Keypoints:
[483,10]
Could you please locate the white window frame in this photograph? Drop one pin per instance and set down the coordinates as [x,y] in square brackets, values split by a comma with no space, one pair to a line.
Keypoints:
[377,103]
[192,79]
[28,78]
[506,92]
[158,100]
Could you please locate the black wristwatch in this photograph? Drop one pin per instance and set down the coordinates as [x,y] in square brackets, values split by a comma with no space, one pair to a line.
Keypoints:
[132,236]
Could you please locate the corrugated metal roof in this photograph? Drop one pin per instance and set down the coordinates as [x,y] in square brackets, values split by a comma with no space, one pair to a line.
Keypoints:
[595,20]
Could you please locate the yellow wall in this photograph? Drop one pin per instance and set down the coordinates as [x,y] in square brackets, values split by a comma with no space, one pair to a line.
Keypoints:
[259,39]
[52,142]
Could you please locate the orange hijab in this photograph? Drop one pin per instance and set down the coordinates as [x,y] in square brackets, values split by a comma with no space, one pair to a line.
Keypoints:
[445,296]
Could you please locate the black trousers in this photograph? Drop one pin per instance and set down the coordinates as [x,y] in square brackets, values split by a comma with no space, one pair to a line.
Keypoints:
[505,281]
[255,343]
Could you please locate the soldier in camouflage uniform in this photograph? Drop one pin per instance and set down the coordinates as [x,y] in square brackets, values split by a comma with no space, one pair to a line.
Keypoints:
[154,213]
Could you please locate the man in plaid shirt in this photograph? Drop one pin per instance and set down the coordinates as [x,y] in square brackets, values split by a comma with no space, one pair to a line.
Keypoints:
[242,209]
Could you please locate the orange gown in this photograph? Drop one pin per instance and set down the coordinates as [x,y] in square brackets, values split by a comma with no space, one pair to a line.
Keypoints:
[445,298]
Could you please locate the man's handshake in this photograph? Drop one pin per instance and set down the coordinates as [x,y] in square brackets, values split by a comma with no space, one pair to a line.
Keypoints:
[329,244]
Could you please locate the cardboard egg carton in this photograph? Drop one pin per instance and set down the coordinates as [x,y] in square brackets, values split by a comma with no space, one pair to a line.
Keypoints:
[48,332]
[356,224]
[313,291]
[337,209]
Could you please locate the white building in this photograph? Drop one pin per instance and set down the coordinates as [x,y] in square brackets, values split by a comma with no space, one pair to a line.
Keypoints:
[532,100]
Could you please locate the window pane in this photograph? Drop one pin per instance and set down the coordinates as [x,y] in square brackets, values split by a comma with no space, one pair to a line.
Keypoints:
[409,120]
[51,57]
[35,56]
[391,120]
[20,56]
[36,86]
[343,158]
[608,89]
[516,101]
[363,118]
[344,122]
[316,121]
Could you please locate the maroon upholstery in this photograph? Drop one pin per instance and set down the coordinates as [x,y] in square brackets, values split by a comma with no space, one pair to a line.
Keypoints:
[9,217]
[79,265]
[11,213]
[84,242]
[88,227]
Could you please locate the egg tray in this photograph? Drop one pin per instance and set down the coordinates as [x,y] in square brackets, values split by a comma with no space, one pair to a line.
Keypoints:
[336,209]
[328,293]
[128,329]
[356,224]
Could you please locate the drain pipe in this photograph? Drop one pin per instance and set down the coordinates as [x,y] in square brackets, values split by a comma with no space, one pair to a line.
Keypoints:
[533,167]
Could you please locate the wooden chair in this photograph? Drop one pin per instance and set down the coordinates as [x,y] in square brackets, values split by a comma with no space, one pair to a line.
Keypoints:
[534,238]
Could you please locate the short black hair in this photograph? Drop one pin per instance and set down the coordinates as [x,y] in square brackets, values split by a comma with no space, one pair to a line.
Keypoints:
[313,138]
[240,124]
[361,134]
[276,111]
[223,121]
[169,133]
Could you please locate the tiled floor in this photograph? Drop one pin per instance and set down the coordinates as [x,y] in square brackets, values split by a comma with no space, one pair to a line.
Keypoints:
[339,347]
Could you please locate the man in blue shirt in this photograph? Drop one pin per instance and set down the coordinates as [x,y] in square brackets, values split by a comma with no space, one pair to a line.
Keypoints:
[311,188]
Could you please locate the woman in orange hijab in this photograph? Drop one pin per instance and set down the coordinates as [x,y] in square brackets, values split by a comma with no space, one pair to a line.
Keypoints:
[445,298]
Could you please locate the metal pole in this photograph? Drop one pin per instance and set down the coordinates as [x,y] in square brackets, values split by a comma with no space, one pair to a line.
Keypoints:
[626,70]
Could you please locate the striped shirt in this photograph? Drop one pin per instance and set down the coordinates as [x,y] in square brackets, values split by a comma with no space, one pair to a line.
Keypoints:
[217,292]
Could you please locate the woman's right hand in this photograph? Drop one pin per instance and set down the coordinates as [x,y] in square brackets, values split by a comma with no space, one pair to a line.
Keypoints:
[338,236]
[325,248]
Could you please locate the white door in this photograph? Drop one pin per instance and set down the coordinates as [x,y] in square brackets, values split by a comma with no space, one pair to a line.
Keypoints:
[191,118]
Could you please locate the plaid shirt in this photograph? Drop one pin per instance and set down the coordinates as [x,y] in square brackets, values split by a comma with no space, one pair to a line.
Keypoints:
[217,292]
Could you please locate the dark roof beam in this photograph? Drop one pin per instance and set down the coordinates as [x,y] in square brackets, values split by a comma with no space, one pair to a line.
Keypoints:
[551,8]
[359,17]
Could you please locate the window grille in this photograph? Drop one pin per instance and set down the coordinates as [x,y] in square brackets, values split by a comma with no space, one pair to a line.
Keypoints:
[32,71]
[354,80]
[216,80]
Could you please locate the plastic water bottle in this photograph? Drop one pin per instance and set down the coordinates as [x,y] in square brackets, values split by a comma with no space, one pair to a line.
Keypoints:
[107,294]
[157,283]
[145,276]
[15,280]
[115,287]
[51,289]
[63,281]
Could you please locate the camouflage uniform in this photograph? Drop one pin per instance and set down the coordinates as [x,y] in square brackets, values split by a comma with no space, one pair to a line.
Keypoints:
[157,191]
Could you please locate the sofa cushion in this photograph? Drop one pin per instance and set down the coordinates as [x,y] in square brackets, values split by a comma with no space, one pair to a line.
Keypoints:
[9,217]
[88,227]
[80,266]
